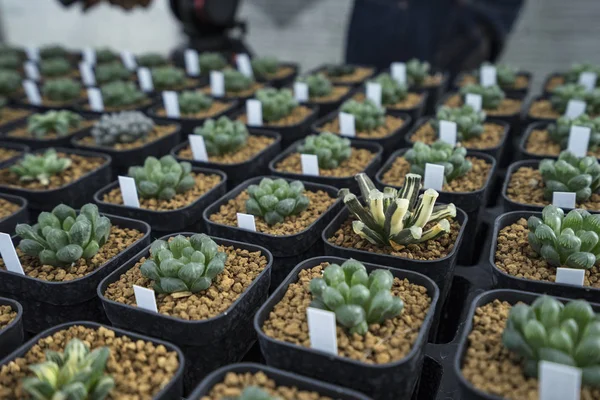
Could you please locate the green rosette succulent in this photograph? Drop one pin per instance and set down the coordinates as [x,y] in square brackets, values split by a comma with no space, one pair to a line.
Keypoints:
[561,95]
[560,130]
[10,82]
[75,374]
[253,393]
[223,136]
[210,61]
[123,127]
[392,92]
[572,75]
[55,67]
[331,150]
[417,71]
[367,114]
[53,51]
[162,179]
[506,75]
[570,241]
[549,330]
[111,72]
[58,122]
[168,78]
[40,167]
[106,55]
[151,60]
[121,94]
[61,90]
[273,200]
[318,85]
[491,96]
[184,264]
[262,67]
[340,70]
[10,61]
[397,218]
[62,237]
[276,103]
[469,123]
[235,81]
[440,153]
[193,102]
[570,174]
[11,50]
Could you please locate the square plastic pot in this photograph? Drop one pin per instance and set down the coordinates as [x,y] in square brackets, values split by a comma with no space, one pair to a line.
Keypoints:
[207,344]
[50,303]
[172,391]
[76,194]
[527,119]
[239,172]
[285,80]
[522,153]
[11,336]
[281,378]
[548,79]
[7,224]
[338,182]
[394,380]
[327,107]
[21,148]
[520,93]
[323,67]
[414,112]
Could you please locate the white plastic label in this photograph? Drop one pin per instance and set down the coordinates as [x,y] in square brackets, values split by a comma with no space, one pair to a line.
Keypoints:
[31,70]
[374,92]
[198,148]
[87,74]
[301,91]
[128,60]
[487,75]
[448,132]
[217,83]
[310,164]
[89,55]
[575,108]
[145,298]
[9,254]
[321,330]
[579,139]
[32,92]
[192,65]
[246,221]
[588,80]
[145,79]
[254,112]
[129,191]
[571,276]
[398,70]
[434,177]
[347,127]
[243,64]
[558,381]
[95,99]
[171,103]
[563,199]
[33,53]
[474,100]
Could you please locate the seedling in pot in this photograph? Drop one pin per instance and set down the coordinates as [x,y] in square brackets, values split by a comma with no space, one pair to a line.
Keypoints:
[53,51]
[150,60]
[235,81]
[62,90]
[331,150]
[570,174]
[55,67]
[165,78]
[162,179]
[114,71]
[506,75]
[276,103]
[491,96]
[439,153]
[121,94]
[367,115]
[211,62]
[57,122]
[560,131]
[561,96]
[469,123]
[193,102]
[40,167]
[417,71]
[392,92]
[318,85]
[276,199]
[123,127]
[10,82]
[222,136]
[264,66]
[573,74]
[106,55]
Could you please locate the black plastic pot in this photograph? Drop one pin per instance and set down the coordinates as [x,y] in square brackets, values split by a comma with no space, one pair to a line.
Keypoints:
[81,107]
[21,148]
[547,81]
[7,224]
[414,112]
[50,303]
[171,391]
[239,172]
[281,378]
[523,154]
[208,344]
[395,380]
[472,203]
[76,193]
[283,81]
[345,182]
[326,107]
[528,119]
[10,125]
[520,93]
[285,249]
[322,69]
[11,336]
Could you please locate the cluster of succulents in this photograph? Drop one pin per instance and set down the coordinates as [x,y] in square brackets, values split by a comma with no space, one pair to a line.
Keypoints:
[235,81]
[262,67]
[122,127]
[318,85]
[548,330]
[58,122]
[151,60]
[397,217]
[193,102]
[570,173]
[210,61]
[166,78]
[561,95]
[10,61]
[162,179]
[440,153]
[491,96]
[469,123]
[222,136]
[276,103]
[40,167]
[570,241]
[572,75]
[392,92]
[55,67]
[61,90]
[273,200]
[112,71]
[121,94]
[417,71]
[106,55]
[62,237]
[10,82]
[560,131]
[75,374]
[357,298]
[184,264]
[506,75]
[367,114]
[339,70]
[53,51]
[331,150]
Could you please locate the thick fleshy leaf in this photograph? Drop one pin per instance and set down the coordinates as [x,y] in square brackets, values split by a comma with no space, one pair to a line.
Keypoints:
[332,298]
[90,250]
[150,270]
[172,285]
[556,356]
[30,247]
[69,254]
[579,310]
[359,294]
[350,315]
[80,233]
[333,275]
[587,352]
[201,284]
[317,286]
[380,279]
[380,303]
[580,260]
[535,334]
[561,340]
[519,314]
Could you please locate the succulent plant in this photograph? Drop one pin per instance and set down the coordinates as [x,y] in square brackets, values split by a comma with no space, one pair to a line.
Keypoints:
[331,150]
[340,70]
[417,71]
[357,298]
[469,123]
[506,75]
[235,81]
[10,82]
[367,115]
[61,90]
[165,78]
[222,136]
[184,264]
[572,75]
[276,103]
[11,50]
[253,393]
[40,167]
[122,127]
[62,237]
[162,179]
[439,153]
[10,61]
[318,85]
[53,51]
[76,374]
[193,102]
[560,130]
[491,96]
[548,330]
[151,60]
[570,174]
[561,95]
[121,94]
[59,122]
[106,55]
[397,218]
[264,66]
[276,199]
[112,71]
[392,92]
[55,67]
[571,241]
[211,62]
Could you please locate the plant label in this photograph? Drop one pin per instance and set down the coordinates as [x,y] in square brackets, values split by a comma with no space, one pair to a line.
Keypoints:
[145,79]
[32,92]
[448,132]
[558,381]
[301,92]
[563,200]
[588,79]
[9,254]
[434,177]
[198,148]
[128,60]
[246,221]
[95,99]
[310,164]
[145,298]
[217,83]
[474,100]
[33,53]
[321,330]
[254,112]
[575,108]
[398,70]
[87,74]
[192,64]
[89,55]
[579,139]
[243,64]
[487,75]
[31,70]
[571,276]
[129,192]
[347,126]
[171,103]
[374,93]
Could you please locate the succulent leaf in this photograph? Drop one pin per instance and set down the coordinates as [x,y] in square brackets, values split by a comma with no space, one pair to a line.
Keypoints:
[392,92]
[193,102]
[235,81]
[61,89]
[121,94]
[168,78]
[111,72]
[561,95]
[263,67]
[417,71]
